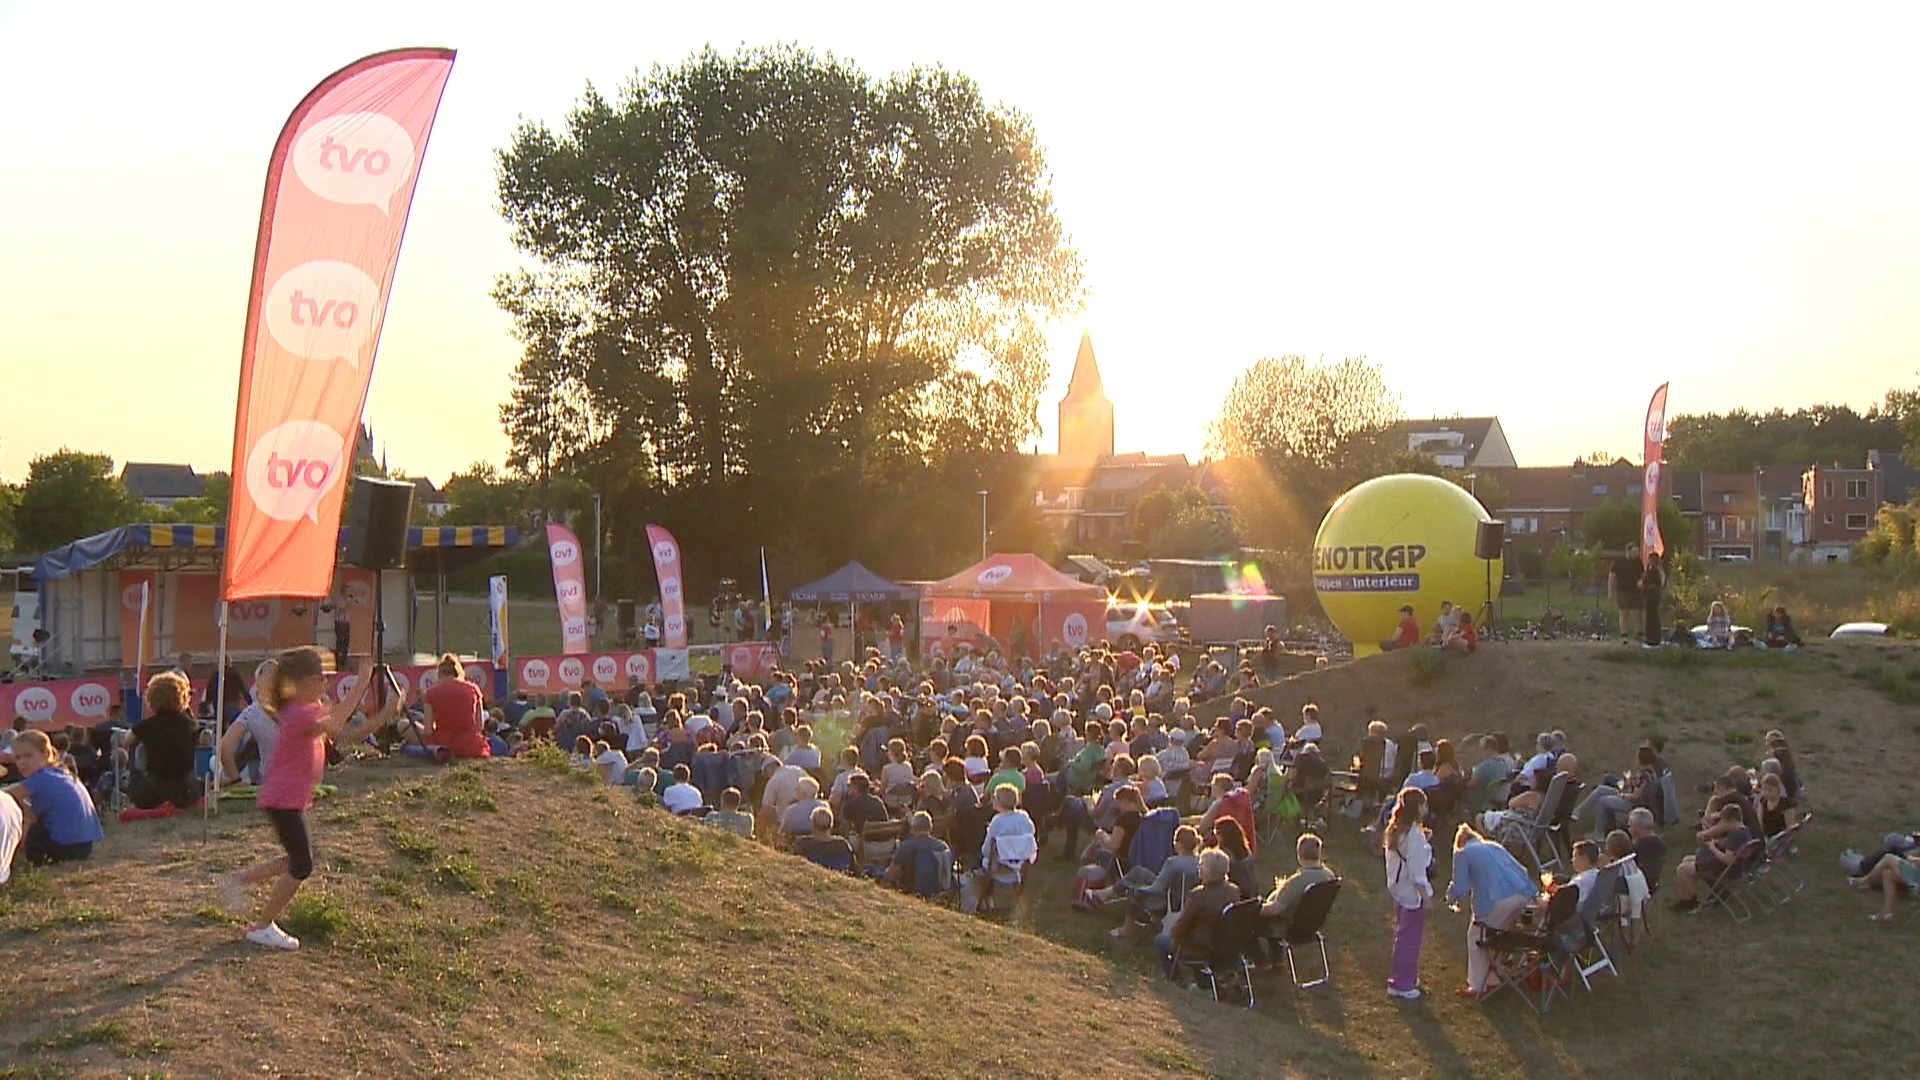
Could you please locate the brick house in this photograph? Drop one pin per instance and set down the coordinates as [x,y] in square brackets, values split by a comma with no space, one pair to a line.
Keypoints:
[1724,509]
[1780,504]
[1546,504]
[1841,504]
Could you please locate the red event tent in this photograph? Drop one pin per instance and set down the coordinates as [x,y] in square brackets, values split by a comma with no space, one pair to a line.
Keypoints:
[1019,600]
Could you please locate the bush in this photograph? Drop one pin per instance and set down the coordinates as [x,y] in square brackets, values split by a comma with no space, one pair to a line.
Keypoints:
[316,916]
[1428,666]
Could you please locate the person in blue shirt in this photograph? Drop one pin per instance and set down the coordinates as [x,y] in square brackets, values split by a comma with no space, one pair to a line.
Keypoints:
[61,823]
[1501,889]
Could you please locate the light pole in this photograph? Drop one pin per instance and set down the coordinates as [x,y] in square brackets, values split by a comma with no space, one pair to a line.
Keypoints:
[596,547]
[983,522]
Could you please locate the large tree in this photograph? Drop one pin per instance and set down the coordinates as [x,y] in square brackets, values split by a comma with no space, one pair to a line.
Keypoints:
[1300,432]
[1737,441]
[775,287]
[70,494]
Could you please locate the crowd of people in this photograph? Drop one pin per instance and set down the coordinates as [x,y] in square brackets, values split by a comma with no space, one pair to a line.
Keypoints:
[952,780]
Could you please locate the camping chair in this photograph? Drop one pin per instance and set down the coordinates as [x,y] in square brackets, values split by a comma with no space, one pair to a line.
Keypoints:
[1777,875]
[1276,809]
[1152,843]
[1304,929]
[1534,834]
[1560,829]
[1729,888]
[1233,940]
[873,847]
[1591,956]
[1532,961]
[841,861]
[712,774]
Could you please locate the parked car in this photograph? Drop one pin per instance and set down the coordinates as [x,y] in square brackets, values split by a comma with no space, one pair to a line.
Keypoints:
[1862,629]
[1130,625]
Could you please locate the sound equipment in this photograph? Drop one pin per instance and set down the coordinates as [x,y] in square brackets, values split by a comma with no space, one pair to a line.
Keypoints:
[629,615]
[1488,540]
[376,522]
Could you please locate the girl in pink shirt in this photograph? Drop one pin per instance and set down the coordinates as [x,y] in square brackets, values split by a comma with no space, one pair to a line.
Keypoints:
[298,699]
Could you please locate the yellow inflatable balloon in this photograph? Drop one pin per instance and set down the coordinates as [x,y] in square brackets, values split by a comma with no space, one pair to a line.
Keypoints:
[1394,540]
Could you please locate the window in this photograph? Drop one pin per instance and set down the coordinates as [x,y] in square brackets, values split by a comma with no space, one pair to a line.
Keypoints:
[1826,519]
[1856,489]
[1633,489]
[1726,498]
[1857,521]
[1826,489]
[1599,489]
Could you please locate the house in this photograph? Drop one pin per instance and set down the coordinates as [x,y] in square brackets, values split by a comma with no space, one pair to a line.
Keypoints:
[1841,504]
[1546,504]
[430,499]
[1724,510]
[1899,481]
[1459,442]
[162,485]
[1781,509]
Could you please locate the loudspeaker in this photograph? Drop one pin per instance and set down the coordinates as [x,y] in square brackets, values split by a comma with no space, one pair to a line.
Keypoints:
[376,522]
[1487,541]
[629,616]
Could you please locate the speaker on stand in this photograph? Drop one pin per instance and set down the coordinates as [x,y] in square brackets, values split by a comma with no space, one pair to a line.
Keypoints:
[376,522]
[1488,538]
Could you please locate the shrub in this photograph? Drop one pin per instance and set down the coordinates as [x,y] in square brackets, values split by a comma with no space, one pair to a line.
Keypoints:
[1428,666]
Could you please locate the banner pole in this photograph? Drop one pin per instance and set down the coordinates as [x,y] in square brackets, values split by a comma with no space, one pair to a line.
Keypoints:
[210,797]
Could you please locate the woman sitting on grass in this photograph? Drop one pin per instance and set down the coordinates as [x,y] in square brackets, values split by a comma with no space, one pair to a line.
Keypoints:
[57,815]
[1719,627]
[1892,875]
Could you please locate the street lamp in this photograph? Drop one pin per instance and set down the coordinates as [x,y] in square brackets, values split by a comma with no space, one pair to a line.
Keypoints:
[983,523]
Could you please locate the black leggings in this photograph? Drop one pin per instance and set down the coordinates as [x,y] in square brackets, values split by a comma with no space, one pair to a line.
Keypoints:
[38,848]
[291,827]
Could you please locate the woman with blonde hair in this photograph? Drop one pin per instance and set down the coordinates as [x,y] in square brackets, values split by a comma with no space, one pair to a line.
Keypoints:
[255,722]
[298,696]
[56,815]
[160,747]
[1409,860]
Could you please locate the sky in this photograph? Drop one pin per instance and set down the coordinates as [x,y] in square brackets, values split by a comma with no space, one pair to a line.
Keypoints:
[1539,212]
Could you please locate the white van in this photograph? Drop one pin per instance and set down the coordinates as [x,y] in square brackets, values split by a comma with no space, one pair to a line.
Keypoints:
[24,614]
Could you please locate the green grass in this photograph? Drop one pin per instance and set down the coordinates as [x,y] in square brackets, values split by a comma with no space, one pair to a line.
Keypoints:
[316,915]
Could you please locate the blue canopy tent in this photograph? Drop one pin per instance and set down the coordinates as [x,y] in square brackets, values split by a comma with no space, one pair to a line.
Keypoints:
[852,584]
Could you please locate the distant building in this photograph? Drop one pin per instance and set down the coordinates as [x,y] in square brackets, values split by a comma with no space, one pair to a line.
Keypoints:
[162,485]
[1841,504]
[1899,481]
[1781,505]
[429,498]
[1545,504]
[1724,510]
[1459,442]
[1086,416]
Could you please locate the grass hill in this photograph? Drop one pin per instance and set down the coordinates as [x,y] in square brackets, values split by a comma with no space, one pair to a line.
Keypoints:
[502,919]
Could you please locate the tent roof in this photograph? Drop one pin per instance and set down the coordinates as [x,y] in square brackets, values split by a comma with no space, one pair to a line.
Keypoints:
[1013,577]
[851,584]
[145,545]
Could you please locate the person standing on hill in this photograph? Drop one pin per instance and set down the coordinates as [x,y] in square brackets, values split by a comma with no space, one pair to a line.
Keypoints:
[1653,582]
[1623,584]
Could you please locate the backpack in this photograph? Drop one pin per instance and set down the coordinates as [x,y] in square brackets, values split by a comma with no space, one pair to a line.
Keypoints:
[933,871]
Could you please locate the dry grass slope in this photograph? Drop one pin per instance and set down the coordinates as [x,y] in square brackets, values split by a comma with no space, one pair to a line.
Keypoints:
[509,921]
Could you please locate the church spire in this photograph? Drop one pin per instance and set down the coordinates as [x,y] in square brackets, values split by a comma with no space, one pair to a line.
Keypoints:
[1086,416]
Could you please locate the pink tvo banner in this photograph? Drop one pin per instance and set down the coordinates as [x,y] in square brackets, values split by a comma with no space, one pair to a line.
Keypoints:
[613,671]
[86,702]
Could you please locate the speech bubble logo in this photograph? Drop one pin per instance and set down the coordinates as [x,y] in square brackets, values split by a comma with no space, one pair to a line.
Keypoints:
[1073,630]
[90,699]
[36,703]
[994,575]
[427,679]
[670,589]
[344,689]
[666,553]
[638,666]
[572,671]
[355,158]
[252,620]
[570,592]
[565,552]
[574,629]
[359,594]
[477,675]
[535,673]
[130,598]
[675,626]
[605,669]
[1657,427]
[323,310]
[292,467]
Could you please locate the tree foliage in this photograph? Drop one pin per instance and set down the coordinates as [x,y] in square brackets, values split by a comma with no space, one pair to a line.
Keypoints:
[1181,523]
[1737,441]
[768,282]
[68,495]
[1615,523]
[9,508]
[1310,429]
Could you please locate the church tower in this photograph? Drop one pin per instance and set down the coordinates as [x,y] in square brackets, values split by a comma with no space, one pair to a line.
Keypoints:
[1086,416]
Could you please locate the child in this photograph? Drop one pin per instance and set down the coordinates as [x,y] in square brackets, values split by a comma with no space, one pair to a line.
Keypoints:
[299,757]
[582,752]
[60,823]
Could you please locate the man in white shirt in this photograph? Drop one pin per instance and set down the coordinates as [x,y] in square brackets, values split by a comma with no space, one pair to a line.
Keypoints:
[1544,759]
[681,796]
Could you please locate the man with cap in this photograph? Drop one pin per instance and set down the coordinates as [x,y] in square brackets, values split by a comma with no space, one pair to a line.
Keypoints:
[1406,635]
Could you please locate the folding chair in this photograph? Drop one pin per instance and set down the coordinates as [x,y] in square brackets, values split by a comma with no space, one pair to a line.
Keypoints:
[1534,834]
[1152,842]
[1268,822]
[1532,960]
[1727,889]
[1226,963]
[934,878]
[873,848]
[1773,882]
[1304,930]
[1590,957]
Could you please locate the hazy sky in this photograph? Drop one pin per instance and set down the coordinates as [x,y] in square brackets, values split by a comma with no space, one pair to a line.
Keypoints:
[1536,211]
